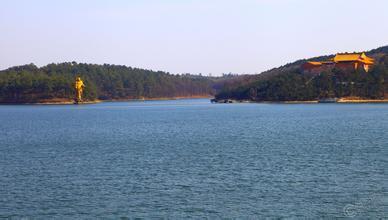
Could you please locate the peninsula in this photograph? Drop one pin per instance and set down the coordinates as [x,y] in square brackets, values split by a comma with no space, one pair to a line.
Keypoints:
[343,77]
[54,84]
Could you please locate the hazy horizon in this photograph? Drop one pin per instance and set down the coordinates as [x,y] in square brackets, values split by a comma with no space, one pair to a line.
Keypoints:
[187,36]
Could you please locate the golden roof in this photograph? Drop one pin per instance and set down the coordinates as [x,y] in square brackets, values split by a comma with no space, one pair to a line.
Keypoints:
[314,63]
[352,57]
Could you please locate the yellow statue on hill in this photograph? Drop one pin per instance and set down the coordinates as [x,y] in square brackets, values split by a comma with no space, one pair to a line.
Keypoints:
[79,87]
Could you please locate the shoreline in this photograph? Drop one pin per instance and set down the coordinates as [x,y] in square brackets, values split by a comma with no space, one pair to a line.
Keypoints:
[339,101]
[354,101]
[362,101]
[71,102]
[159,99]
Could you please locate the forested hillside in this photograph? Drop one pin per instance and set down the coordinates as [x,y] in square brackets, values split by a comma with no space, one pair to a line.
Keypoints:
[29,83]
[290,83]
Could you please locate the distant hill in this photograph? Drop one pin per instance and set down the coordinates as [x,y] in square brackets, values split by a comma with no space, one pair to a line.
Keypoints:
[54,82]
[290,83]
[29,83]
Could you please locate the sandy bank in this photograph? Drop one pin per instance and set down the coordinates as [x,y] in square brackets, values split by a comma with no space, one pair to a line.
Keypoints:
[362,101]
[64,101]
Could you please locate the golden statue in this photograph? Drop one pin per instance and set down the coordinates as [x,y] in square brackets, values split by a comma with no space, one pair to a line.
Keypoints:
[79,87]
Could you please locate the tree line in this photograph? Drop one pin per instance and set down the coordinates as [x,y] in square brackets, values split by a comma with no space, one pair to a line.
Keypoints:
[292,84]
[28,83]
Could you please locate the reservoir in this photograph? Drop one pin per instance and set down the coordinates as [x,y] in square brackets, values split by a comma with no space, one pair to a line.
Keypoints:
[193,159]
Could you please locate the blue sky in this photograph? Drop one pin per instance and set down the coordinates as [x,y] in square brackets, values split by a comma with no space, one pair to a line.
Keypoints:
[187,36]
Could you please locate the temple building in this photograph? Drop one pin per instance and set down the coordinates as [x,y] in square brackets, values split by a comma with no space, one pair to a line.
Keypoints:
[345,61]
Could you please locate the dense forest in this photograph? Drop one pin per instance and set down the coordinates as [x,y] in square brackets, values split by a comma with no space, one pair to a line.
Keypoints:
[29,83]
[291,83]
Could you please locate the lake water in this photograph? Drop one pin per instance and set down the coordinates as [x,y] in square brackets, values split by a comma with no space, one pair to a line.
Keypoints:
[193,159]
